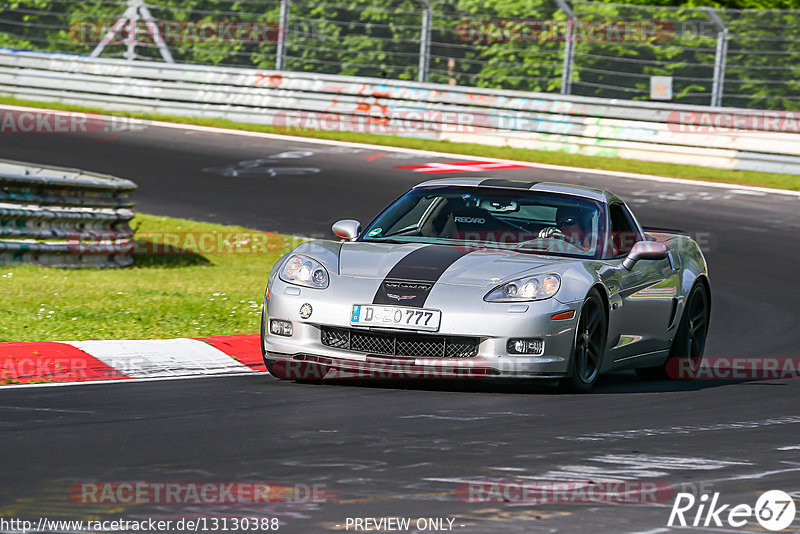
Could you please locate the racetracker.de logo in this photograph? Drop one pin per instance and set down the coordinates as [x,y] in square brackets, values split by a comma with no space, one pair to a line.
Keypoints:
[176,243]
[735,368]
[173,32]
[17,370]
[384,121]
[582,31]
[65,122]
[709,122]
[181,493]
[565,492]
[415,369]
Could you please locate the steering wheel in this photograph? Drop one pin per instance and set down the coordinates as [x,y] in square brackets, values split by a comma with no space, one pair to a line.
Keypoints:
[550,233]
[553,232]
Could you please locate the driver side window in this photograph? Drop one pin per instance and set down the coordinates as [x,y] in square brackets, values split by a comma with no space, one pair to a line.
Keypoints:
[623,234]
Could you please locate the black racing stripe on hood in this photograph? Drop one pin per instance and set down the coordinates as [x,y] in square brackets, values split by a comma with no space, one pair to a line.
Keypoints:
[503,182]
[424,267]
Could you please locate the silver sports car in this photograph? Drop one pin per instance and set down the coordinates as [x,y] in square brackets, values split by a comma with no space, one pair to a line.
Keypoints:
[490,278]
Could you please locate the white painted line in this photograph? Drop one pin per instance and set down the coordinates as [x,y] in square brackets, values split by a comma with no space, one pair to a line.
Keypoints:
[431,153]
[55,410]
[644,461]
[688,429]
[162,357]
[577,484]
[567,473]
[126,381]
[653,531]
[520,469]
[790,448]
[753,476]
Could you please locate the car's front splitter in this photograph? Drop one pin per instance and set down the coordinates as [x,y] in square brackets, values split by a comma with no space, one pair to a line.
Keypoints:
[316,367]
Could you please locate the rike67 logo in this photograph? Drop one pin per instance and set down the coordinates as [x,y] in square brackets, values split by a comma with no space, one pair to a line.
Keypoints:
[774,511]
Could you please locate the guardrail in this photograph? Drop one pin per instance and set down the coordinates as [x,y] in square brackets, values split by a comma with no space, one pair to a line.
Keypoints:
[64,217]
[739,139]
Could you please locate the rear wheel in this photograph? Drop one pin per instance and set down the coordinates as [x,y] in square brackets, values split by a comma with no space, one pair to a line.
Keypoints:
[686,352]
[687,349]
[589,346]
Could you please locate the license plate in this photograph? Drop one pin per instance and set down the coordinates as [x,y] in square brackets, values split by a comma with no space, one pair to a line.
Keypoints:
[396,317]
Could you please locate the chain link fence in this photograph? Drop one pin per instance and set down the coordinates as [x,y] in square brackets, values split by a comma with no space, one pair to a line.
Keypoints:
[713,57]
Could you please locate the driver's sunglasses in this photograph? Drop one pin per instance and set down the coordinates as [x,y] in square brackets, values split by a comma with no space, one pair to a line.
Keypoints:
[567,222]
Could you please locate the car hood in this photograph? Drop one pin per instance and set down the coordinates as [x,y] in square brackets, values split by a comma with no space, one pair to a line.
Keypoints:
[453,265]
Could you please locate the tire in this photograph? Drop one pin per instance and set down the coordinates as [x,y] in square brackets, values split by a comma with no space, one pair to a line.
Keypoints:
[686,352]
[589,346]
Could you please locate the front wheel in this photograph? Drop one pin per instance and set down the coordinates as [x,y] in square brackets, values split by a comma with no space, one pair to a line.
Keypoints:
[589,346]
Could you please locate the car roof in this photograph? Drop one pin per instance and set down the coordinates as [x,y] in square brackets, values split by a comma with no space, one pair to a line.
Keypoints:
[547,187]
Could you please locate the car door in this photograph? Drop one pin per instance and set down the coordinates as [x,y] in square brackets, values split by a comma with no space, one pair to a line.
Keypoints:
[642,299]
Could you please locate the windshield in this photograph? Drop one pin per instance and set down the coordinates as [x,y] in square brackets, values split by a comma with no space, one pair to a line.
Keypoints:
[522,220]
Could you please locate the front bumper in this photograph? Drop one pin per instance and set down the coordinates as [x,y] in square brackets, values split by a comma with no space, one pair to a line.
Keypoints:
[304,356]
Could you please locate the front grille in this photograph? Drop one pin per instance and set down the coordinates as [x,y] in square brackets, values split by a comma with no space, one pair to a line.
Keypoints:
[404,345]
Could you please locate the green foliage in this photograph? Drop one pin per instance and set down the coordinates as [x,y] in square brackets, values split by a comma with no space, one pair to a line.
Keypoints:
[77,26]
[512,44]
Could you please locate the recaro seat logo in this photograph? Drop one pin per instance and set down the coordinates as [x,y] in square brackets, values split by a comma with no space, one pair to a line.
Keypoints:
[774,510]
[470,220]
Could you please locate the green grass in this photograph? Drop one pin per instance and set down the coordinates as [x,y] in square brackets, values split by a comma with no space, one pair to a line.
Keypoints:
[779,181]
[189,294]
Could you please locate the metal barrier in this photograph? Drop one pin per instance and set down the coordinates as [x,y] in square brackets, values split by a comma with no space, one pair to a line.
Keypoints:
[712,137]
[64,217]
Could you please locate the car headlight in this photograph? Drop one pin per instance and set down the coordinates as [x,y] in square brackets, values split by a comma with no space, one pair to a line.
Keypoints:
[304,271]
[537,287]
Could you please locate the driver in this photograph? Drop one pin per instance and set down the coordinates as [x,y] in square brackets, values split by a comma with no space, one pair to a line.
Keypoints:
[571,226]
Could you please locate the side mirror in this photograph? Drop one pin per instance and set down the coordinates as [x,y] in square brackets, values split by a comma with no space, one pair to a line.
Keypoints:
[645,250]
[347,229]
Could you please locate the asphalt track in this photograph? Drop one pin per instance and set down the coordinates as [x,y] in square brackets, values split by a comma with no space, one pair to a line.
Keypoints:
[401,450]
